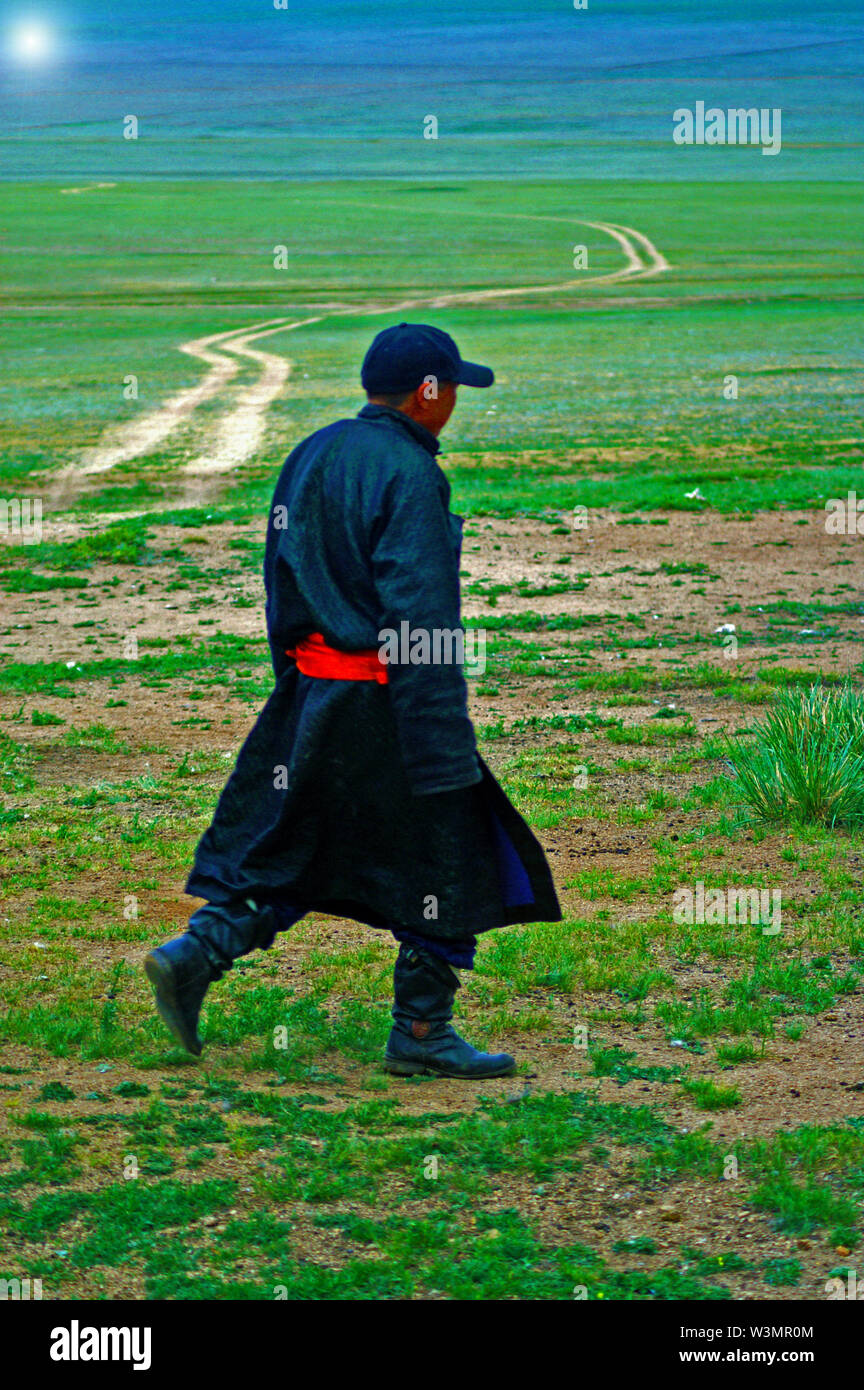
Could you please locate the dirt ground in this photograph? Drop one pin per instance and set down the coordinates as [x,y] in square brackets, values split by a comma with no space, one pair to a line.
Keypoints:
[753,563]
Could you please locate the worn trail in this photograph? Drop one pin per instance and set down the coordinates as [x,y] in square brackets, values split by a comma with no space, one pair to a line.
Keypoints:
[239,432]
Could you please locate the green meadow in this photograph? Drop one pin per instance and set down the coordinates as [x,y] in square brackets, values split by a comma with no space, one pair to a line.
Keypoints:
[687,1121]
[764,284]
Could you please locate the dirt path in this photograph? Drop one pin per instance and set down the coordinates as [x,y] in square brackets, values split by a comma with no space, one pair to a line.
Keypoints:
[240,430]
[141,436]
[634,269]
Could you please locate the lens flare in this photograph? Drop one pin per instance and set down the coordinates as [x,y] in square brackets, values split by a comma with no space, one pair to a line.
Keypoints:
[31,41]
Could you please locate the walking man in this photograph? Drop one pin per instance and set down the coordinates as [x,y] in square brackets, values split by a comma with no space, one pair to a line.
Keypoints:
[360,792]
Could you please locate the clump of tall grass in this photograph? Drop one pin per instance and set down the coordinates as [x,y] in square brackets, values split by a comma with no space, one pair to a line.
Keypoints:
[805,760]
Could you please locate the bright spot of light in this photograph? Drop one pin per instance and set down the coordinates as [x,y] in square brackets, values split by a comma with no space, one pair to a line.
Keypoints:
[31,41]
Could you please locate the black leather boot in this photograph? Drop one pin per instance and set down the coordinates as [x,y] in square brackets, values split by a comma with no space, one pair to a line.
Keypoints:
[182,971]
[422,1040]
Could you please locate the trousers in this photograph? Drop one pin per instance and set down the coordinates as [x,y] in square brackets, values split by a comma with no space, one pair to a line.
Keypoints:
[458,953]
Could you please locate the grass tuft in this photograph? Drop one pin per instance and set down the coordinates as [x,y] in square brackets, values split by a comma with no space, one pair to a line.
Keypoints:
[805,762]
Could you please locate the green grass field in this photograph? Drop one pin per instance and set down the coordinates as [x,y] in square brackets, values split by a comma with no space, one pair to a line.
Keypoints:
[688,1119]
[764,284]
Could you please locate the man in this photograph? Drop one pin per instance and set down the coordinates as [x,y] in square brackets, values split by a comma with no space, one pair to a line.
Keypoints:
[360,792]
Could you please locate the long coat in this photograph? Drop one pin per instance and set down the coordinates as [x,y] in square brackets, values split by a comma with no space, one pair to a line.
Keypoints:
[355,798]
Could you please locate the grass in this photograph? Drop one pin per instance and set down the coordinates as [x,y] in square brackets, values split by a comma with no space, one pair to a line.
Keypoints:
[286,1163]
[184,1238]
[248,1140]
[805,761]
[765,454]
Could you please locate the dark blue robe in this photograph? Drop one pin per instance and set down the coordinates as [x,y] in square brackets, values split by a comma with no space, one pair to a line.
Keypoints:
[353,798]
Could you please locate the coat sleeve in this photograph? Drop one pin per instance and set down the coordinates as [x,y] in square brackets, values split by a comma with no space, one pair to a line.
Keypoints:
[415,571]
[276,638]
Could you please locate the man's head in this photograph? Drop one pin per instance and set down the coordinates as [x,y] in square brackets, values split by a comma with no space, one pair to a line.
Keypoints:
[416,369]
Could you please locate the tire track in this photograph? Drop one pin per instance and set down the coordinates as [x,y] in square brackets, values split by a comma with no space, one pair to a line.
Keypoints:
[143,435]
[241,429]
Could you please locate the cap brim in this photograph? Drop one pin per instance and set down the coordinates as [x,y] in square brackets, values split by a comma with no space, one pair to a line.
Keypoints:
[472,374]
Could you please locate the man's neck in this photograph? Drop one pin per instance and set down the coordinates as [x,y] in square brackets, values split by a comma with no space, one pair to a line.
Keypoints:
[373,400]
[420,432]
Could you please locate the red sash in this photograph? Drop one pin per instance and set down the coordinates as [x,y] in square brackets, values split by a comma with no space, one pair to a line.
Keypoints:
[315,658]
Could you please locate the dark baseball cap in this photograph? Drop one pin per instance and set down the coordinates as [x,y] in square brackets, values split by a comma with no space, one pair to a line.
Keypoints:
[400,358]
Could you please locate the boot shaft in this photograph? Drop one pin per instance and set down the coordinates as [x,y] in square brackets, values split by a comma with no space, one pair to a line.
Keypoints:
[422,1038]
[424,987]
[226,931]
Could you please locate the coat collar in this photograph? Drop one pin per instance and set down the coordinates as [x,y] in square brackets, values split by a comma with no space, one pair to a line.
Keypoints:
[419,432]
